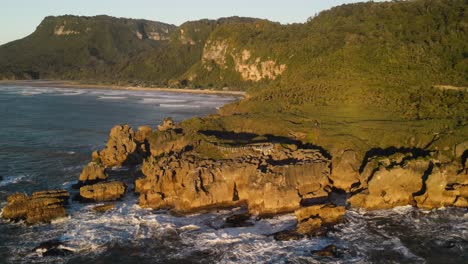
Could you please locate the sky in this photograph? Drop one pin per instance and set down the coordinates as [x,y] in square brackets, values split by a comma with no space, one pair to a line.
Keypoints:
[19,18]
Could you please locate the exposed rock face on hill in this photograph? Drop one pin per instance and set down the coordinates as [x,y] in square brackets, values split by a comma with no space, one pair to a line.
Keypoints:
[39,207]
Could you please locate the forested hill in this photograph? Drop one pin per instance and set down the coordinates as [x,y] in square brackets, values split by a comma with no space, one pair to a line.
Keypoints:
[399,43]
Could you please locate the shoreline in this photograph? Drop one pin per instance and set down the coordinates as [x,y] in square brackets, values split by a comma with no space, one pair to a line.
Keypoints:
[78,85]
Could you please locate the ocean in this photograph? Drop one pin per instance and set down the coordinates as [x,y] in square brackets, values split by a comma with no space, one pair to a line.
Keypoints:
[47,135]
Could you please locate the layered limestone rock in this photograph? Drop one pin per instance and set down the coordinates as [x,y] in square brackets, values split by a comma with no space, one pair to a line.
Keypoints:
[167,141]
[92,173]
[345,173]
[188,183]
[391,187]
[410,177]
[39,207]
[122,148]
[312,218]
[444,187]
[104,191]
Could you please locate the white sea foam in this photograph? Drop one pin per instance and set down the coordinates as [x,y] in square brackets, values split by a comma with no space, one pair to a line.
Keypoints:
[112,97]
[13,179]
[179,106]
[161,100]
[72,93]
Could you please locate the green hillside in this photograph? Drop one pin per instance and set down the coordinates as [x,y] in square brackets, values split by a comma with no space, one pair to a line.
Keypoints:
[369,61]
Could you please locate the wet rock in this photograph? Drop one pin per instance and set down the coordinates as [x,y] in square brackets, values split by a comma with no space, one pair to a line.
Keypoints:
[52,248]
[104,208]
[238,220]
[40,207]
[328,251]
[104,191]
[92,173]
[287,235]
[392,186]
[121,148]
[311,219]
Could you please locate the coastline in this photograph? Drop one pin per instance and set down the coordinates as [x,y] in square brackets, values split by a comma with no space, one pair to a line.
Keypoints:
[78,85]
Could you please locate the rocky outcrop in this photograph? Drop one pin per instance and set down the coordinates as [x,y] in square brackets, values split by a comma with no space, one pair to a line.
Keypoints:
[345,173]
[395,186]
[92,173]
[444,187]
[39,207]
[257,69]
[328,251]
[167,141]
[122,148]
[215,51]
[188,183]
[103,208]
[166,125]
[61,30]
[142,134]
[104,191]
[410,177]
[312,218]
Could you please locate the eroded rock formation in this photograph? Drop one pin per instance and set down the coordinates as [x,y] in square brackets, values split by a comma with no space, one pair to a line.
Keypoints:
[312,218]
[104,191]
[39,207]
[122,148]
[92,173]
[187,183]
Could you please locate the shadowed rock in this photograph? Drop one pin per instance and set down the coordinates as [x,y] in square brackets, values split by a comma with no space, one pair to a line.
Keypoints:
[311,219]
[104,208]
[328,251]
[52,248]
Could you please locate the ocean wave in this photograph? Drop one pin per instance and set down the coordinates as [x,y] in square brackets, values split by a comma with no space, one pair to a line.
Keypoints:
[161,100]
[8,180]
[179,106]
[112,97]
[72,93]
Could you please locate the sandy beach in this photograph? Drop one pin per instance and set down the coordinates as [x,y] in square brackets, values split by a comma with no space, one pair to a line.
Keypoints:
[74,84]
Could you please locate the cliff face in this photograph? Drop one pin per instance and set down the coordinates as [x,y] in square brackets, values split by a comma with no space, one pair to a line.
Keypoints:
[266,185]
[368,41]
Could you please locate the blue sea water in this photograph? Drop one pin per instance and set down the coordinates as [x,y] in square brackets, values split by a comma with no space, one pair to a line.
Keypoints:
[47,135]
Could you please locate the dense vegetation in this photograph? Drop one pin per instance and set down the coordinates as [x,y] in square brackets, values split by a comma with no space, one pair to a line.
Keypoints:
[353,63]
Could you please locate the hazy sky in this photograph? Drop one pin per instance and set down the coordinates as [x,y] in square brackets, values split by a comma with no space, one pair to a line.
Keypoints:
[19,18]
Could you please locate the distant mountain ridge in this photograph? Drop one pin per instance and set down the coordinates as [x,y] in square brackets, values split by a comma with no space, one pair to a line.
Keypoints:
[403,42]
